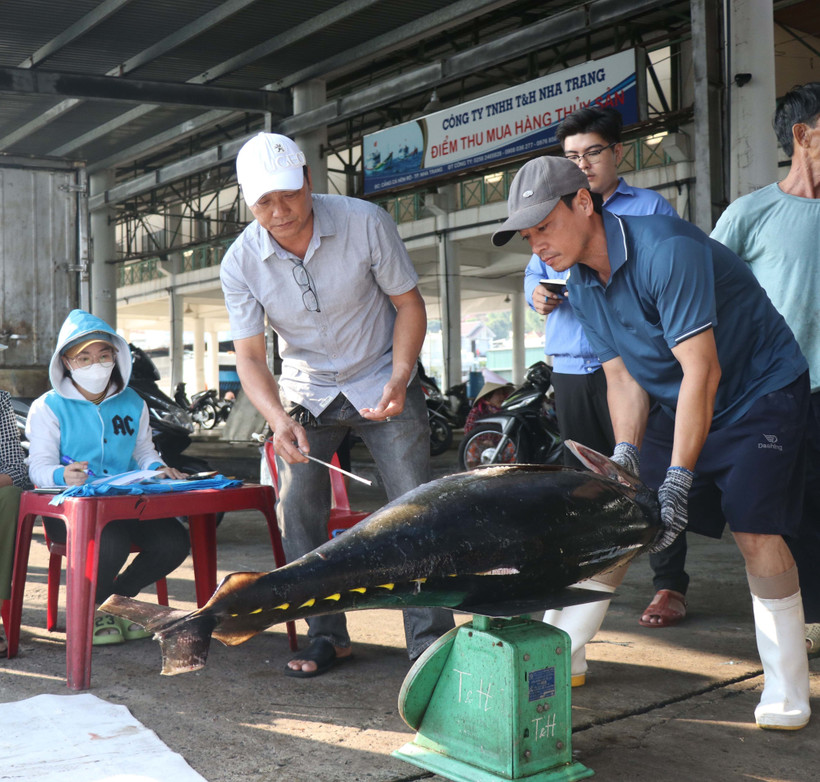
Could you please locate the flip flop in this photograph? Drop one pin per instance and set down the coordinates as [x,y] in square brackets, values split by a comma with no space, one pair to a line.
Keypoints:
[106,631]
[131,631]
[323,653]
[668,606]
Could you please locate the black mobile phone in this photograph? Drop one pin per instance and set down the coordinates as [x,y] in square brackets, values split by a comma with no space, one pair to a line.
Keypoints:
[555,286]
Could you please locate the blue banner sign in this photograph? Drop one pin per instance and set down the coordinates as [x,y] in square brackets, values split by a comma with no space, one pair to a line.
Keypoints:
[505,124]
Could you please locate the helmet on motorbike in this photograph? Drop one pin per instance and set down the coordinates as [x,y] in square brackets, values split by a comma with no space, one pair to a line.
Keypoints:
[540,375]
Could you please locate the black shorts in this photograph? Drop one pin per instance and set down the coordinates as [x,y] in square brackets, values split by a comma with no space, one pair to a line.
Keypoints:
[750,474]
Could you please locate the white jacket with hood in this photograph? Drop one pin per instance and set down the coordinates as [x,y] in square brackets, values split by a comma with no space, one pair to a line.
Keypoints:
[113,436]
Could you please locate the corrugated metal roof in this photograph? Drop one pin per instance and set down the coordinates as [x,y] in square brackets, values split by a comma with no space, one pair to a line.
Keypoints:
[255,44]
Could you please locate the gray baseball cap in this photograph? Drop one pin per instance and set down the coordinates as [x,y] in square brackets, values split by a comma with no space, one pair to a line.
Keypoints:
[535,192]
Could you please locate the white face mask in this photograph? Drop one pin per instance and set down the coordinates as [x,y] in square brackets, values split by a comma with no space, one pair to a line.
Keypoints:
[93,379]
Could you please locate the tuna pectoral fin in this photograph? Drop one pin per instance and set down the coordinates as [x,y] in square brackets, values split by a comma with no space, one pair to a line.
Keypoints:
[184,637]
[602,465]
[534,605]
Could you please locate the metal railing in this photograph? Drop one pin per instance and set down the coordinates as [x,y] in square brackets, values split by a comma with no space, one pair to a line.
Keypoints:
[477,191]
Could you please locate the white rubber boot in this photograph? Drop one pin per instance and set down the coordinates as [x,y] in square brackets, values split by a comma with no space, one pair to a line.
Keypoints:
[784,704]
[581,622]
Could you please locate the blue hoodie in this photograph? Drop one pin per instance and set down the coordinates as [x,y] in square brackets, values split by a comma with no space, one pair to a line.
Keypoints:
[112,436]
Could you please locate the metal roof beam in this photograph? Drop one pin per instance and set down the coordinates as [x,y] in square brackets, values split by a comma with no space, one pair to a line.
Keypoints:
[549,31]
[153,144]
[203,161]
[539,35]
[245,58]
[167,44]
[75,31]
[458,12]
[55,83]
[298,33]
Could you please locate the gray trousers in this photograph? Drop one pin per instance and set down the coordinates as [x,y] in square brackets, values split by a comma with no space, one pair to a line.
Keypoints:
[401,450]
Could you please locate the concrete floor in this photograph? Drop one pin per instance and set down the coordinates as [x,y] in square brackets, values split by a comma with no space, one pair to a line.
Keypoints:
[673,705]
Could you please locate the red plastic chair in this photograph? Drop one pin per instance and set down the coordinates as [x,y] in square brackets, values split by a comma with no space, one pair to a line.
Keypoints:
[55,565]
[341,515]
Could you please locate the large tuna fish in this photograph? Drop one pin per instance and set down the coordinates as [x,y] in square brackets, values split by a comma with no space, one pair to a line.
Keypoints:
[503,540]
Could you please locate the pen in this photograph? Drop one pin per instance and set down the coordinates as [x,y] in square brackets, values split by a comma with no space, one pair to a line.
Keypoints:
[334,467]
[69,460]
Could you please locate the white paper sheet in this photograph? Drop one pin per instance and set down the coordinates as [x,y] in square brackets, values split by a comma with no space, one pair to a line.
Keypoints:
[81,738]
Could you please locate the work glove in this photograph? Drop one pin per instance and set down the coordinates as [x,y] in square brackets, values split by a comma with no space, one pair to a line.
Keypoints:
[627,456]
[673,497]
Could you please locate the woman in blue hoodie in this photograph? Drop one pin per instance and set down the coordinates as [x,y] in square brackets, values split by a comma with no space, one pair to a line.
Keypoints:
[92,425]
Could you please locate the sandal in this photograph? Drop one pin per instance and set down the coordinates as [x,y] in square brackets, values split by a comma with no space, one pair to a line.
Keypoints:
[323,653]
[668,607]
[106,631]
[813,640]
[131,631]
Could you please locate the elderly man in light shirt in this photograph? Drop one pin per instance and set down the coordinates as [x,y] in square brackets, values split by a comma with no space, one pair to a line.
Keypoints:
[337,286]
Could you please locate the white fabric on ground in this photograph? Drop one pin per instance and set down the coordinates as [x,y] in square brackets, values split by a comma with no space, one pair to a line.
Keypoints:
[81,738]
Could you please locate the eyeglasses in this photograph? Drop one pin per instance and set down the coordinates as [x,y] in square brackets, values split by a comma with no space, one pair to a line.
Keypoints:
[105,359]
[591,156]
[309,298]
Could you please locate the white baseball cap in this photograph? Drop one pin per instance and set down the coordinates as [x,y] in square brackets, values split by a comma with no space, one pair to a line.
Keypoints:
[269,162]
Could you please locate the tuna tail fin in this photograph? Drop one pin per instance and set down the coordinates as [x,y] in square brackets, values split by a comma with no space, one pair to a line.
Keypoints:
[603,465]
[184,637]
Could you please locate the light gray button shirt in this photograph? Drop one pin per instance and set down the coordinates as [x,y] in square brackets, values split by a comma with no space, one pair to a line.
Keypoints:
[356,261]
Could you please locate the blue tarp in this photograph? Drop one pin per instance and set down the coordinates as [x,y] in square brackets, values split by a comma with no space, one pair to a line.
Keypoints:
[165,486]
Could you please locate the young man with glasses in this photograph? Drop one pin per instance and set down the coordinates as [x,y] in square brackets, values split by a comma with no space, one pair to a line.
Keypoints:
[338,287]
[678,318]
[591,138]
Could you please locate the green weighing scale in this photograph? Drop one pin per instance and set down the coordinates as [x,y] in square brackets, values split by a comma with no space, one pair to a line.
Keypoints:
[490,701]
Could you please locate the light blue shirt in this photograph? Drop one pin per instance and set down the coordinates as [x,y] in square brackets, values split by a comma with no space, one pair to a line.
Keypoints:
[564,339]
[356,261]
[778,235]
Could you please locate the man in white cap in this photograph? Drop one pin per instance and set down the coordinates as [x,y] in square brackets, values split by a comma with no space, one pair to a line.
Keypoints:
[677,318]
[337,286]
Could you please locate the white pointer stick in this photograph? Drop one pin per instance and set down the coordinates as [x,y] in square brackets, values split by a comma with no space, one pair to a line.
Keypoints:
[334,467]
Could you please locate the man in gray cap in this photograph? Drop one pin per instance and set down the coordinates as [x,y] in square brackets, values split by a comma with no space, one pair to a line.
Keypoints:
[677,318]
[337,286]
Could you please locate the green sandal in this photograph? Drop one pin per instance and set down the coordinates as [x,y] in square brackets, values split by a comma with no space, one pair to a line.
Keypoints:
[131,631]
[106,631]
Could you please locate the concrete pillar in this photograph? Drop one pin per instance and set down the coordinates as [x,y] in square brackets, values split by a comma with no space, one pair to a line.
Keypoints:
[752,147]
[213,360]
[199,356]
[710,198]
[519,354]
[306,96]
[176,303]
[103,248]
[449,287]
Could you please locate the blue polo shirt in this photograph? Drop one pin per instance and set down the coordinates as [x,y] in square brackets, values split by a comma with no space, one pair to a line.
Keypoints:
[668,282]
[564,338]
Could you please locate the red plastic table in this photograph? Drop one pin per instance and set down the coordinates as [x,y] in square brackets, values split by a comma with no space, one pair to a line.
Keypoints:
[85,518]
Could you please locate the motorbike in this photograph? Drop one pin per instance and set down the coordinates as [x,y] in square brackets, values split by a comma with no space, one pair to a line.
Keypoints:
[171,424]
[523,431]
[205,407]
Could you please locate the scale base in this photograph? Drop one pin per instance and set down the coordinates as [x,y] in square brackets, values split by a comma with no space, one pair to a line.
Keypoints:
[459,771]
[490,702]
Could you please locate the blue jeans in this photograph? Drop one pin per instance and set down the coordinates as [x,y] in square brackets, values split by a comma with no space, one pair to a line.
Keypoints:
[400,448]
